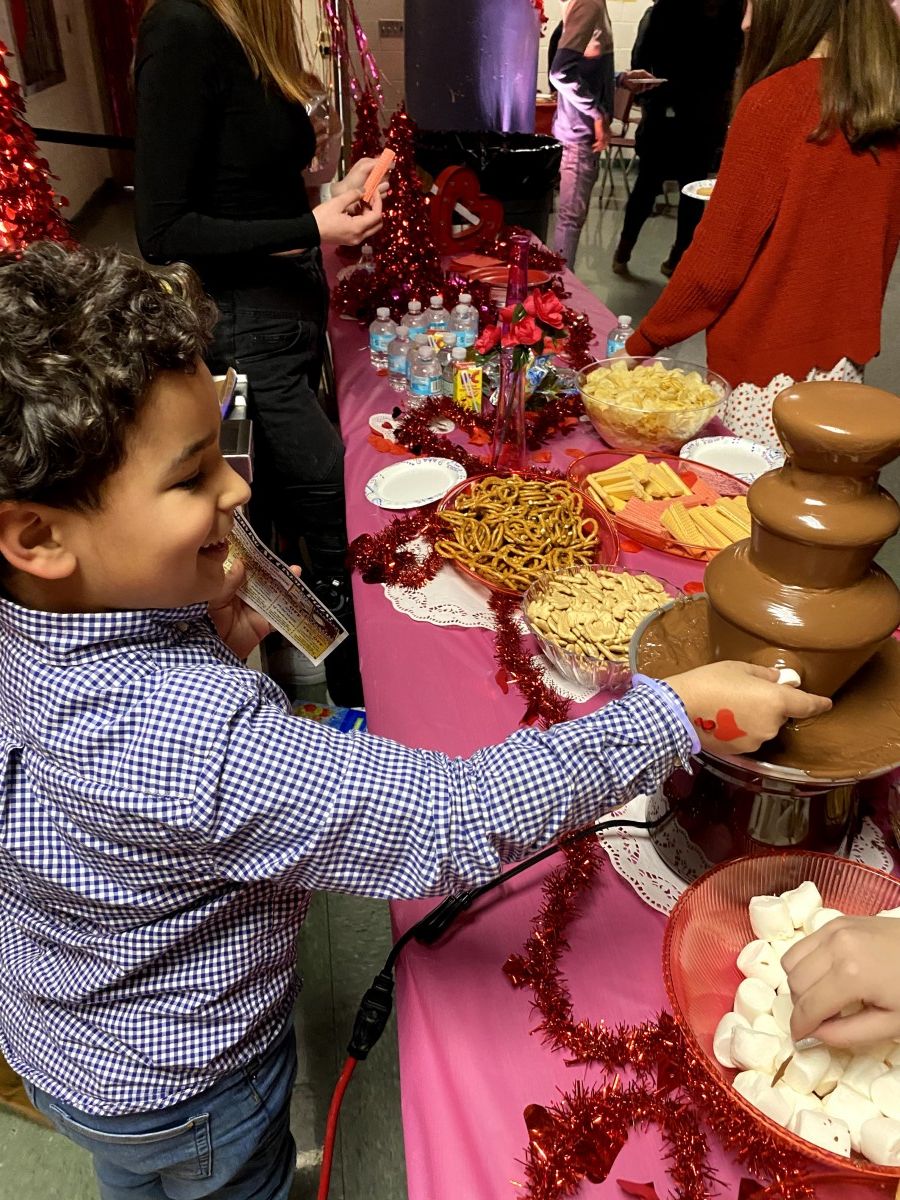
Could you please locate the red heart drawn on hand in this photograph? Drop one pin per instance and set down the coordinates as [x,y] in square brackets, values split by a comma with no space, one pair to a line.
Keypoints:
[706,726]
[459,185]
[727,728]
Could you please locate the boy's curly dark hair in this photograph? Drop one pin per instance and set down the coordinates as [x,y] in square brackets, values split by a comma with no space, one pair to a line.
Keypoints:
[83,334]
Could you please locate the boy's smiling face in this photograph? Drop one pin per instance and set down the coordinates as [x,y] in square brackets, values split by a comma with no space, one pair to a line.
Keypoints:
[158,538]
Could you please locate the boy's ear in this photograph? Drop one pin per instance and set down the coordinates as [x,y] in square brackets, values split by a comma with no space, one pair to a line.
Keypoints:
[30,540]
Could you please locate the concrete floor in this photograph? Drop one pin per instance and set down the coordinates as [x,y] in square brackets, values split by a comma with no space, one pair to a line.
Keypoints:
[345,941]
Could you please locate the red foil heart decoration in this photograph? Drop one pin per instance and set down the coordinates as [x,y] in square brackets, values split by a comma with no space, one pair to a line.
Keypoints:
[459,185]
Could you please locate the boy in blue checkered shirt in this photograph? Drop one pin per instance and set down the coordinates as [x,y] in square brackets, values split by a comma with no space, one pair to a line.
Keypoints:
[164,818]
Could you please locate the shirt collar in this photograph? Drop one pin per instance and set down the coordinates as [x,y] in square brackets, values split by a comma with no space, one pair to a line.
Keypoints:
[65,632]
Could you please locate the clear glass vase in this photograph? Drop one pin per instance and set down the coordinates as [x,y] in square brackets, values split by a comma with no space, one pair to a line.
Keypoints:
[508,449]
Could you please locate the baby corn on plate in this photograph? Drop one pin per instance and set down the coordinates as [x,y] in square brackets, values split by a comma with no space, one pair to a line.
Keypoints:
[667,503]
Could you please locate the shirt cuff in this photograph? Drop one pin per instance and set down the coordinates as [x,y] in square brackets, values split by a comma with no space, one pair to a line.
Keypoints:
[673,700]
[640,346]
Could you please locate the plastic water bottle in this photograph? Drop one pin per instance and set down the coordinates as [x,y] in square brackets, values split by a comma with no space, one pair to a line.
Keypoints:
[438,319]
[398,359]
[617,337]
[414,319]
[424,377]
[381,334]
[446,344]
[366,259]
[464,321]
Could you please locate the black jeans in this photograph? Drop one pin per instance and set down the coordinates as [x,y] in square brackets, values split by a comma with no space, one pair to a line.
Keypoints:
[668,149]
[272,328]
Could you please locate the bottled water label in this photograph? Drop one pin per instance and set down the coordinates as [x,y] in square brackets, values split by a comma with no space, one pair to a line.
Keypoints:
[398,364]
[379,342]
[466,338]
[423,385]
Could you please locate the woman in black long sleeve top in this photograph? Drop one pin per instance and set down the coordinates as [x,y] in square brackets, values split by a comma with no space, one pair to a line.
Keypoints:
[220,154]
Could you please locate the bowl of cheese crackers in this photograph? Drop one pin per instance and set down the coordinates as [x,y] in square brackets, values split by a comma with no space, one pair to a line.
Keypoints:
[650,403]
[584,618]
[671,504]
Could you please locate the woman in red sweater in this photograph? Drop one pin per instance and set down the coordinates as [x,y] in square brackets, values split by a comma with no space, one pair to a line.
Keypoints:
[788,269]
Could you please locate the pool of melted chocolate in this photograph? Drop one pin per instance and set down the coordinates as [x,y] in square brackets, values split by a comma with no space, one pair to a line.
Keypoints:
[858,739]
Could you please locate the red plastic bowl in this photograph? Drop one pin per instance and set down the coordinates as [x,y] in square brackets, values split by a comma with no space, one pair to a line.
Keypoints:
[709,926]
[721,481]
[606,553]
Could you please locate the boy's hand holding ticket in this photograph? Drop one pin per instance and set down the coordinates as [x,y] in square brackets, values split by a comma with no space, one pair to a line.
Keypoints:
[273,591]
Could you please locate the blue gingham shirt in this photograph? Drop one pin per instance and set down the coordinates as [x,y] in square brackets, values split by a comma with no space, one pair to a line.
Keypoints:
[164,819]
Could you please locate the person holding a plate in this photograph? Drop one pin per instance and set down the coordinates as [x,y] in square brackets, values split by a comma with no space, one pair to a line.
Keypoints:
[789,266]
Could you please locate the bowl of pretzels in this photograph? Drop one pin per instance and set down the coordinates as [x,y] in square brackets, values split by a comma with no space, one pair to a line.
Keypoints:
[584,618]
[506,529]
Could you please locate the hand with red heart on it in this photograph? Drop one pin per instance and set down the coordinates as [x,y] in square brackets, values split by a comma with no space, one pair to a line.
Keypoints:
[736,706]
[459,185]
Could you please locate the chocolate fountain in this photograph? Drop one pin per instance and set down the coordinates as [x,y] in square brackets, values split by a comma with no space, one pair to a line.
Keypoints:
[802,592]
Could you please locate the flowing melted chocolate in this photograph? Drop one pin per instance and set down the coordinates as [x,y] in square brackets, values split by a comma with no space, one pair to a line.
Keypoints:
[803,592]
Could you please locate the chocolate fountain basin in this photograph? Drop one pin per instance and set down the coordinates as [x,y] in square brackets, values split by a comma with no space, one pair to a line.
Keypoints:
[803,790]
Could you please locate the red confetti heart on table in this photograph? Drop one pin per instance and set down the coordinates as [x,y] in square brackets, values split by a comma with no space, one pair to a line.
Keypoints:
[693,587]
[502,678]
[574,452]
[644,1191]
[541,456]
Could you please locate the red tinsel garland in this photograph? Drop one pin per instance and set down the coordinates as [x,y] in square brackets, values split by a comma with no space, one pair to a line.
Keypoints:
[539,257]
[545,706]
[581,1136]
[382,558]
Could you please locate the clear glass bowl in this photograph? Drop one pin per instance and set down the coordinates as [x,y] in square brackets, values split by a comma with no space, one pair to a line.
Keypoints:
[610,675]
[652,428]
[709,926]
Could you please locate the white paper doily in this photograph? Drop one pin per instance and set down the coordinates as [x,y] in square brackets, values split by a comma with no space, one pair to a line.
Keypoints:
[634,857]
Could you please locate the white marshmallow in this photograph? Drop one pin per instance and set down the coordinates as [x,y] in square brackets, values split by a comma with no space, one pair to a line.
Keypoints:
[860,1073]
[822,1130]
[748,1083]
[880,1141]
[788,677]
[759,960]
[773,1103]
[784,989]
[876,1050]
[807,1068]
[782,945]
[892,1058]
[885,1093]
[796,1101]
[753,1051]
[820,918]
[753,998]
[851,1108]
[766,1023]
[770,917]
[722,1038]
[802,902]
[782,1007]
[832,1077]
[889,912]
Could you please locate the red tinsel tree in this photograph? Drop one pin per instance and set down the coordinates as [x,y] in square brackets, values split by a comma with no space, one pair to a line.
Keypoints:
[28,207]
[367,135]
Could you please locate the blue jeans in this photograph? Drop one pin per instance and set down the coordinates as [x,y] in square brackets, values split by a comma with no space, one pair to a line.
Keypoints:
[232,1142]
[577,176]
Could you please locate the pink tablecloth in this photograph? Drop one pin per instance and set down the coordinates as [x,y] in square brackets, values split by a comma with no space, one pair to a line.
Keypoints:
[469,1064]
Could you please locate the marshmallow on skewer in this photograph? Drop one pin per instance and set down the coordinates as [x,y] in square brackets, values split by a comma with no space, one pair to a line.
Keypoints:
[807,1068]
[782,1007]
[820,918]
[861,1072]
[722,1038]
[822,1130]
[851,1108]
[880,1141]
[770,917]
[753,998]
[885,1093]
[832,1077]
[802,902]
[754,1051]
[759,960]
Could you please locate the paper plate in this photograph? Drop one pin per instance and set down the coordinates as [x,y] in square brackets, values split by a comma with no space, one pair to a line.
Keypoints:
[415,483]
[736,456]
[700,189]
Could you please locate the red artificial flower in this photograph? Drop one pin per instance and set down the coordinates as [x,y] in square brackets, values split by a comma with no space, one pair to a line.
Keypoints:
[546,307]
[524,333]
[508,314]
[488,339]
